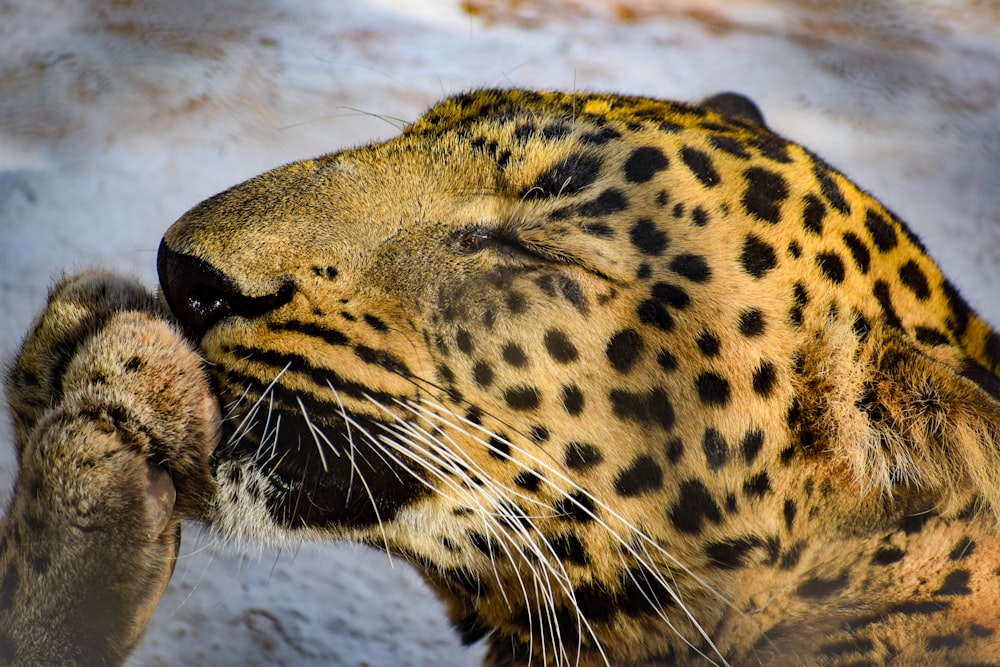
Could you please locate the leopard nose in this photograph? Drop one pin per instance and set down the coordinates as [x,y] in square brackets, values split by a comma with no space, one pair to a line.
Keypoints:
[200,295]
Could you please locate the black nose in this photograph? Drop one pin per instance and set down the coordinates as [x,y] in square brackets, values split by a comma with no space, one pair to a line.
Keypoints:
[200,295]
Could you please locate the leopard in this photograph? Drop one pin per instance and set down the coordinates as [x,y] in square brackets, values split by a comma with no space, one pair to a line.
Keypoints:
[628,381]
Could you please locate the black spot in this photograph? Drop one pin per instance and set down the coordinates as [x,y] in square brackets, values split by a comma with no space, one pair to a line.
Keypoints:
[831,265]
[771,146]
[653,313]
[559,346]
[464,341]
[522,397]
[499,447]
[375,323]
[813,214]
[888,555]
[623,349]
[732,554]
[571,291]
[644,271]
[644,163]
[569,176]
[731,504]
[883,233]
[801,298]
[678,210]
[862,258]
[474,415]
[764,378]
[599,229]
[692,267]
[882,295]
[700,165]
[961,313]
[757,257]
[816,588]
[539,433]
[674,450]
[962,549]
[582,456]
[729,145]
[752,322]
[794,250]
[643,475]
[482,373]
[757,486]
[939,642]
[483,544]
[651,408]
[715,447]
[914,523]
[791,557]
[977,630]
[708,343]
[577,506]
[699,217]
[828,186]
[913,277]
[846,646]
[956,583]
[930,336]
[572,399]
[523,132]
[528,480]
[516,303]
[671,295]
[693,507]
[789,510]
[608,202]
[647,238]
[569,549]
[666,360]
[601,137]
[765,192]
[555,131]
[514,355]
[713,389]
[446,374]
[751,444]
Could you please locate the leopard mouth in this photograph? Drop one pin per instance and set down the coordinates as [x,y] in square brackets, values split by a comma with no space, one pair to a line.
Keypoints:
[298,454]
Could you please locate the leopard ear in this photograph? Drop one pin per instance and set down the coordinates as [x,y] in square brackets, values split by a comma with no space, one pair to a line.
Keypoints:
[912,419]
[735,105]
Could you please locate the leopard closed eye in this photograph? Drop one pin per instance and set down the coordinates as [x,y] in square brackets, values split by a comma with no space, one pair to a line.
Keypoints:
[629,381]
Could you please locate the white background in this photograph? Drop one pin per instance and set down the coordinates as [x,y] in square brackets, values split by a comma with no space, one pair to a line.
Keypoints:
[115,117]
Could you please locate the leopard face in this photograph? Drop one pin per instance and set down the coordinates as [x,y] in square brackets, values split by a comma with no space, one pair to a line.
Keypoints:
[629,381]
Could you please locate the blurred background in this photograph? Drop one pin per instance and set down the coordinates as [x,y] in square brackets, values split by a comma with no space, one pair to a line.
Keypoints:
[118,115]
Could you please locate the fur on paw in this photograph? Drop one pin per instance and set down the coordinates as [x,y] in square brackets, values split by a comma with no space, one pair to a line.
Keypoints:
[103,352]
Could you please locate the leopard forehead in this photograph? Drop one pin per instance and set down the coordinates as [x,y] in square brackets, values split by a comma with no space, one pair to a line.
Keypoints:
[597,336]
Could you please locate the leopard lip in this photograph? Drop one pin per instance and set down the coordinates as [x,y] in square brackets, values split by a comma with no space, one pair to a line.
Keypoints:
[354,488]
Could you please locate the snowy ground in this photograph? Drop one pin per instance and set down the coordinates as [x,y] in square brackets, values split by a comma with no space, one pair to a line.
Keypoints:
[115,117]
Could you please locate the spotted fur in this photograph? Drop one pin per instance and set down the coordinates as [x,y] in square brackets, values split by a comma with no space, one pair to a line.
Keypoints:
[629,381]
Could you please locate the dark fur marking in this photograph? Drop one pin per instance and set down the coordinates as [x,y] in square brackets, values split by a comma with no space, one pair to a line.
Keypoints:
[700,165]
[883,233]
[715,447]
[765,192]
[693,507]
[758,257]
[642,476]
[644,163]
